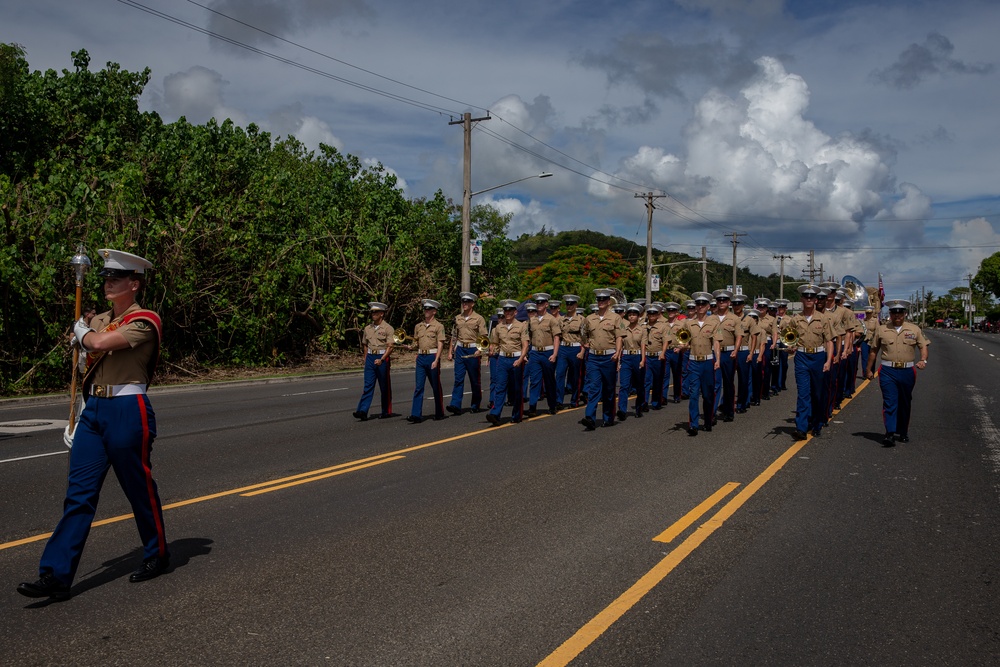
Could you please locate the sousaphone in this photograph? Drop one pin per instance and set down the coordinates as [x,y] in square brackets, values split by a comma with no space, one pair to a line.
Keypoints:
[857,292]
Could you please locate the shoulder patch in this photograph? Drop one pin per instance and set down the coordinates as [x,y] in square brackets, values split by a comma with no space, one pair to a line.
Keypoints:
[141,325]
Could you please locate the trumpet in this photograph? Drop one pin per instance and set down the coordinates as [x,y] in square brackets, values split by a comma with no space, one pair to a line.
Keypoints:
[789,337]
[399,337]
[483,344]
[683,337]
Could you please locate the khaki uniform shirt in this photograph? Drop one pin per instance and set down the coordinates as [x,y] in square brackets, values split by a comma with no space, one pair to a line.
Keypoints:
[674,327]
[427,335]
[702,336]
[815,332]
[634,338]
[870,325]
[600,334]
[656,334]
[758,338]
[543,330]
[898,346]
[749,324]
[377,337]
[769,324]
[129,365]
[467,330]
[571,328]
[509,338]
[731,329]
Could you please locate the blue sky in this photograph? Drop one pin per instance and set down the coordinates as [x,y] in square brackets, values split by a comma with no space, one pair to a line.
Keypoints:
[866,131]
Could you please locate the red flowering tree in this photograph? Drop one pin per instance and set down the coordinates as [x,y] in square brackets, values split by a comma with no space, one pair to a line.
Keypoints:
[580,269]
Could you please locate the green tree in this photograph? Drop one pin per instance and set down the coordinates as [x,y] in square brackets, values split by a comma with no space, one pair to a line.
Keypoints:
[581,269]
[988,277]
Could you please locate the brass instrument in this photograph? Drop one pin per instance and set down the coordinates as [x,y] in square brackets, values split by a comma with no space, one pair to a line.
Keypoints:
[857,292]
[683,336]
[483,344]
[789,337]
[399,337]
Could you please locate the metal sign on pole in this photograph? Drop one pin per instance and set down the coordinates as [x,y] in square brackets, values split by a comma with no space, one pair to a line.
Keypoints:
[476,252]
[655,283]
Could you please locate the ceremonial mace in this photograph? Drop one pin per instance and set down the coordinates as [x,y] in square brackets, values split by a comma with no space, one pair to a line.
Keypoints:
[81,264]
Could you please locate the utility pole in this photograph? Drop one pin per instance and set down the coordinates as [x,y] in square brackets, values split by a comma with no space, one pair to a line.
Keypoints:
[704,269]
[466,123]
[781,274]
[735,243]
[970,302]
[923,306]
[649,197]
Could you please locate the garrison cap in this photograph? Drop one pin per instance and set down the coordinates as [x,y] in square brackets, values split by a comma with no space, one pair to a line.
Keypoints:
[571,298]
[701,296]
[808,289]
[897,304]
[540,296]
[722,294]
[118,263]
[634,308]
[467,296]
[377,305]
[509,304]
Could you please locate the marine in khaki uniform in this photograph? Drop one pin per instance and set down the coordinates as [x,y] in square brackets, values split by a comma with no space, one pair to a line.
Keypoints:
[898,342]
[377,340]
[763,364]
[428,339]
[546,333]
[731,332]
[813,356]
[703,361]
[509,341]
[632,366]
[744,378]
[569,379]
[116,430]
[603,332]
[659,339]
[467,328]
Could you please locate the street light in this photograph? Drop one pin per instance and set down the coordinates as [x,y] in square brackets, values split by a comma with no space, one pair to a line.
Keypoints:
[467,225]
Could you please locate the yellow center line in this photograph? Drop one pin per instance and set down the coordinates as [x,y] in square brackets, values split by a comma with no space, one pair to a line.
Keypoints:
[594,628]
[685,521]
[316,474]
[313,479]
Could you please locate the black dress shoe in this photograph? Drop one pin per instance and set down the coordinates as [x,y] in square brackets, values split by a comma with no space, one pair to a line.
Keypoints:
[453,410]
[363,416]
[47,586]
[532,411]
[888,440]
[741,411]
[608,424]
[692,431]
[815,432]
[438,418]
[553,411]
[677,400]
[765,397]
[413,419]
[150,569]
[707,428]
[476,411]
[728,418]
[656,407]
[903,438]
[493,419]
[799,435]
[385,416]
[559,406]
[622,415]
[588,423]
[645,408]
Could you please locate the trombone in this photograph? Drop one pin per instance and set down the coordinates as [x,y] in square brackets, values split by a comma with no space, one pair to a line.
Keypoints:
[683,337]
[789,337]
[399,337]
[483,344]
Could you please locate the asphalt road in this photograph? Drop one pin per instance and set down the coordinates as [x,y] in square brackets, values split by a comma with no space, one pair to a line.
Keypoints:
[301,536]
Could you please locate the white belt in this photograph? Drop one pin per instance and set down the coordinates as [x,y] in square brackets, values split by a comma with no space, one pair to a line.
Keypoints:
[510,354]
[729,348]
[703,357]
[898,364]
[371,351]
[744,348]
[810,350]
[631,351]
[112,390]
[467,345]
[768,339]
[571,344]
[427,351]
[602,353]
[542,348]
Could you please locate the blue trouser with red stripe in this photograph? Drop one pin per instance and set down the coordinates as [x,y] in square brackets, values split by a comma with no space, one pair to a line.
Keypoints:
[601,386]
[425,373]
[509,383]
[466,362]
[631,376]
[113,433]
[744,381]
[674,369]
[654,393]
[897,395]
[568,377]
[811,406]
[725,397]
[701,383]
[375,374]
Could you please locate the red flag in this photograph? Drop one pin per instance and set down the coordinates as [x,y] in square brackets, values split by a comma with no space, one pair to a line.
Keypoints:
[881,290]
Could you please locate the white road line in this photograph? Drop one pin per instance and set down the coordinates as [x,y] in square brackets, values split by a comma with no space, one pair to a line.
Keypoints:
[986,429]
[34,456]
[319,391]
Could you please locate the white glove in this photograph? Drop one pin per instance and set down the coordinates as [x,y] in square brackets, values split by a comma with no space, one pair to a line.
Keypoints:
[68,436]
[81,329]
